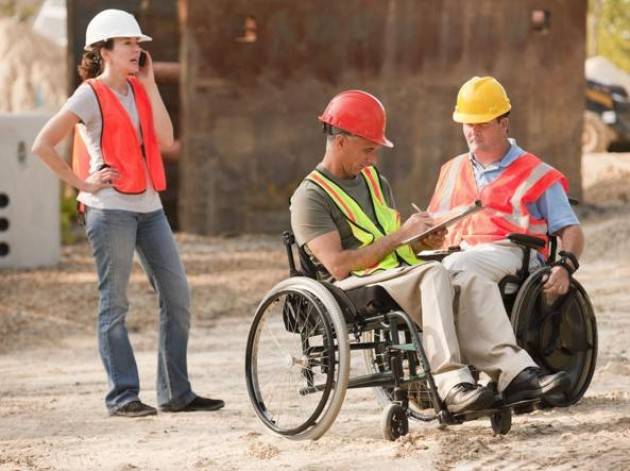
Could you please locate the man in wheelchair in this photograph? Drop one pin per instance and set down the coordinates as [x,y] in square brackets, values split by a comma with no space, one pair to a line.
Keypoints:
[520,193]
[343,216]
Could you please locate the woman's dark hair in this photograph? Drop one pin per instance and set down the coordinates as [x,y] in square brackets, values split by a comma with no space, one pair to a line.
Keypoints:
[92,62]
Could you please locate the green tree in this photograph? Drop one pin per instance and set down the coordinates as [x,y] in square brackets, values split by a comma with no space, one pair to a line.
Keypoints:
[20,9]
[609,30]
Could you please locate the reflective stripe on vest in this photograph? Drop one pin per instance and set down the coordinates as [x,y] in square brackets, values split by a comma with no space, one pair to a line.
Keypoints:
[120,146]
[448,182]
[506,199]
[363,228]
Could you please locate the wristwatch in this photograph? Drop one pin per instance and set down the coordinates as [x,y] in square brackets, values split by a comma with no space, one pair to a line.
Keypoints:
[568,261]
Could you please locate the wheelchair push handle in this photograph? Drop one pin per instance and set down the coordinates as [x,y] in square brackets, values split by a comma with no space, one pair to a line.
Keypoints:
[289,239]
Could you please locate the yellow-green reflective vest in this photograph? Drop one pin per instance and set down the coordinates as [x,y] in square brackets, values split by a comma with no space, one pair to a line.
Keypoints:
[363,228]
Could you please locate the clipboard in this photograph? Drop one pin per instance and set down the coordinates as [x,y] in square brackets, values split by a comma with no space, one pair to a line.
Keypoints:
[447,219]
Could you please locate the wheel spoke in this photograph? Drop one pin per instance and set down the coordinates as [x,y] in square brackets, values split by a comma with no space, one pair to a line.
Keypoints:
[292,351]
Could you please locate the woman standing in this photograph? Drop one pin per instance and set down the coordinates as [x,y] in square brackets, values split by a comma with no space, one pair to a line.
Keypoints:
[122,122]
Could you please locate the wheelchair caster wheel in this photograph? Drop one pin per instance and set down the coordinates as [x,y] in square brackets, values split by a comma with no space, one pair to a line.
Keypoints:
[394,422]
[444,418]
[501,421]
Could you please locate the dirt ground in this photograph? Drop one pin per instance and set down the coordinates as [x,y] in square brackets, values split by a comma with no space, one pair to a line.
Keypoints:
[52,383]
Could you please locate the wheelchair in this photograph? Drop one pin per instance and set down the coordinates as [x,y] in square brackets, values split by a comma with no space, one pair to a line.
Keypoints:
[297,360]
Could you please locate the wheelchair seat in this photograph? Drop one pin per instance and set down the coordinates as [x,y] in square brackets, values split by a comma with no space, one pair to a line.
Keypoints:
[355,303]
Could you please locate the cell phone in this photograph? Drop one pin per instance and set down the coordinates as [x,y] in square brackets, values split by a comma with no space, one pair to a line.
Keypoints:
[143,59]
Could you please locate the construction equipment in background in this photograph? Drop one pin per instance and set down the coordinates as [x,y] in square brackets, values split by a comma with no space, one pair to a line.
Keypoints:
[607,107]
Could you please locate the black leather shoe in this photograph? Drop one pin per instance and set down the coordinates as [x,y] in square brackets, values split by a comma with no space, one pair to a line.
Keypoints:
[532,383]
[468,397]
[198,404]
[552,384]
[134,409]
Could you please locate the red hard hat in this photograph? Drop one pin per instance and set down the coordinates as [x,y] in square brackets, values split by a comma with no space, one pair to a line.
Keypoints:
[358,113]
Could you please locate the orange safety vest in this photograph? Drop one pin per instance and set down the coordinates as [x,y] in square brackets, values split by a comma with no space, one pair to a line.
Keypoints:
[505,199]
[119,142]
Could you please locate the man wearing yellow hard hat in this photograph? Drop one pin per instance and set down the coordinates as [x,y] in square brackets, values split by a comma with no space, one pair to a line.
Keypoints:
[520,193]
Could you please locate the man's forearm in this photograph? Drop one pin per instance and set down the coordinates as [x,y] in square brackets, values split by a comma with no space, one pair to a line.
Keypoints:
[340,263]
[572,239]
[372,254]
[348,261]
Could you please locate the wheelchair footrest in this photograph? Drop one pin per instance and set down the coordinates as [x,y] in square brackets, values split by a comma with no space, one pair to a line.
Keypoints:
[518,404]
[498,405]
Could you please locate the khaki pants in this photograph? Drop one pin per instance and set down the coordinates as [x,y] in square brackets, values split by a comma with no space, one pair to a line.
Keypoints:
[492,260]
[463,322]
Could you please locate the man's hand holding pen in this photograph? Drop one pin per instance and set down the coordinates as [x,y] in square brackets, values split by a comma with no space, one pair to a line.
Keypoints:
[432,241]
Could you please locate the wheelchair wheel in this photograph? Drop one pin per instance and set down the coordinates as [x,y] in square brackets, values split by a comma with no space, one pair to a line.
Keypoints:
[377,361]
[501,421]
[297,359]
[560,336]
[394,422]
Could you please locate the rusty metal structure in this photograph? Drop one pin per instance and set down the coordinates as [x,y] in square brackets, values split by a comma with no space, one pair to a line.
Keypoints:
[255,74]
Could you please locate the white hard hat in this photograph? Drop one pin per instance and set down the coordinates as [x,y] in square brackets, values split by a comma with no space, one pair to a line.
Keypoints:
[113,23]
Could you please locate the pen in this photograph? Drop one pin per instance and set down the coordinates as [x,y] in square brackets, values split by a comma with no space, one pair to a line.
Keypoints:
[415,206]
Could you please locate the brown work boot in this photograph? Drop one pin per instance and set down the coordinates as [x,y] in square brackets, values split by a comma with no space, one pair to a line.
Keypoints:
[465,397]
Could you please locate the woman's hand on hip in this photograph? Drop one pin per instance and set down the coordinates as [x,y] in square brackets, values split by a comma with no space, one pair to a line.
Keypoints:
[102,179]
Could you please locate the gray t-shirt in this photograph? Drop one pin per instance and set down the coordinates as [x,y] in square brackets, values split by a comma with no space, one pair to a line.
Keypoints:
[314,214]
[84,104]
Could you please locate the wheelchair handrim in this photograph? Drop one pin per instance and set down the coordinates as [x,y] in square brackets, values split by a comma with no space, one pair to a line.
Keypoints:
[251,357]
[582,363]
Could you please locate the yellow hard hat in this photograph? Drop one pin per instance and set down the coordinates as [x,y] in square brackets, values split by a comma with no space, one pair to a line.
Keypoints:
[480,100]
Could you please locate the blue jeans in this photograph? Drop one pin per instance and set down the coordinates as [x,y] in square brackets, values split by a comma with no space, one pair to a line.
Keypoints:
[113,235]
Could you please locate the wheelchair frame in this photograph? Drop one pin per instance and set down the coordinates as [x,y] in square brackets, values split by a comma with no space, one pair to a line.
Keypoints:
[405,363]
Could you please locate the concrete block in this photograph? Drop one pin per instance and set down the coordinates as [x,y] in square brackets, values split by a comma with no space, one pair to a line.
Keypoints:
[29,197]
